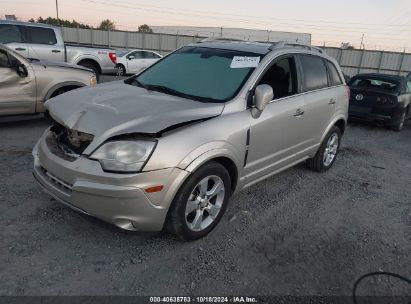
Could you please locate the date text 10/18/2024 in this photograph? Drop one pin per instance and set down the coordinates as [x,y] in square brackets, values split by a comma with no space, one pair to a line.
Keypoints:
[238,299]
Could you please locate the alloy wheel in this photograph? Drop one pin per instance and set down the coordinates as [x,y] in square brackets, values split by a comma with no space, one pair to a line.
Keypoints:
[204,203]
[331,149]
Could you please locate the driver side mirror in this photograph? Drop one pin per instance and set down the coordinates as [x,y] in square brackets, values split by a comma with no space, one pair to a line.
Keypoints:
[262,96]
[21,69]
[130,57]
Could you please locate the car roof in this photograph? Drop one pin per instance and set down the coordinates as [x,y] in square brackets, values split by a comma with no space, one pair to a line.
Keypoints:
[26,23]
[242,46]
[380,76]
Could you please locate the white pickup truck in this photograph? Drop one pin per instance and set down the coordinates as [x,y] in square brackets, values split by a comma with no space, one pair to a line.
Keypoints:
[45,42]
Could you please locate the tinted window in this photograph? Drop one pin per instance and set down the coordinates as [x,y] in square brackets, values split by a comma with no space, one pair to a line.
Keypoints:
[40,35]
[334,76]
[150,55]
[10,33]
[136,54]
[315,73]
[281,76]
[409,87]
[203,74]
[4,60]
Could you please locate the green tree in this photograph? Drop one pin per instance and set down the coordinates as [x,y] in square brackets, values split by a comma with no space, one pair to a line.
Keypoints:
[107,25]
[144,28]
[59,22]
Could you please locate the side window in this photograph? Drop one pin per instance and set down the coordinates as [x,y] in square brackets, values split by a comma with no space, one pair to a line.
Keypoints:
[281,76]
[335,78]
[315,73]
[4,60]
[10,33]
[138,55]
[150,55]
[409,86]
[40,35]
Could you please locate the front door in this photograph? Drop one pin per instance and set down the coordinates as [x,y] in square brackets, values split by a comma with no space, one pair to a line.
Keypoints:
[18,94]
[135,61]
[277,135]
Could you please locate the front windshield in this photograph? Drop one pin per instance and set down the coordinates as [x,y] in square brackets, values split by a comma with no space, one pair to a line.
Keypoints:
[203,74]
[375,83]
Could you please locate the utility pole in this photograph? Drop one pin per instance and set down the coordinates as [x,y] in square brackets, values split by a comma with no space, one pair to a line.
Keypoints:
[362,42]
[57,9]
[221,32]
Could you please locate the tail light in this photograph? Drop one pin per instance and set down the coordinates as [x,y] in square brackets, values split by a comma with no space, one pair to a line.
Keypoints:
[113,57]
[385,100]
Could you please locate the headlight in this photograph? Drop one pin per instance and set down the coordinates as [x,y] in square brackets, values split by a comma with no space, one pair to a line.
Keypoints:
[124,156]
[93,80]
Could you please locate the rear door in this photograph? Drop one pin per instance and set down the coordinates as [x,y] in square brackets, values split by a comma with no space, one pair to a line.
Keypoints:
[43,44]
[18,94]
[320,99]
[12,36]
[149,58]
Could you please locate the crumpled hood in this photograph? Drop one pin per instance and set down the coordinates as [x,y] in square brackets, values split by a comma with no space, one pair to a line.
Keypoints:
[117,108]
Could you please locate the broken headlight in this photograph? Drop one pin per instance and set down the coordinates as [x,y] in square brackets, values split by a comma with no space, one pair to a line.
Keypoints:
[124,156]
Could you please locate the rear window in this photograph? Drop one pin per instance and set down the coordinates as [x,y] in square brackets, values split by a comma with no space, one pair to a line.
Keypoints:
[335,78]
[375,83]
[10,33]
[315,73]
[41,35]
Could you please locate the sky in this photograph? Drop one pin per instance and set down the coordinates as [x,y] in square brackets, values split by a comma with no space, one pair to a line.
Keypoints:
[386,25]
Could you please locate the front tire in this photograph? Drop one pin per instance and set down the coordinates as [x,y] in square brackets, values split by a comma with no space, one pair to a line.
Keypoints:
[121,70]
[200,203]
[327,153]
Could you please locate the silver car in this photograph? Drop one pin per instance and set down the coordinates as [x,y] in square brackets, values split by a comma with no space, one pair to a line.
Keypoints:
[169,146]
[26,84]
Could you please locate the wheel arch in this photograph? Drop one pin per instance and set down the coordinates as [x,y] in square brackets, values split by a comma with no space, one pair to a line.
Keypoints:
[93,61]
[59,86]
[221,156]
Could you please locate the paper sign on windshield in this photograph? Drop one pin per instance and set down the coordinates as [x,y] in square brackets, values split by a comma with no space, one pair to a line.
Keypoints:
[240,62]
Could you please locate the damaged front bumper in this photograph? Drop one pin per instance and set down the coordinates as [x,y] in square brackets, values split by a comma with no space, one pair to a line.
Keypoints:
[119,199]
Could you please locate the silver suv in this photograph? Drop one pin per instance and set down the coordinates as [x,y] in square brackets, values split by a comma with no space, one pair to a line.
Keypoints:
[169,146]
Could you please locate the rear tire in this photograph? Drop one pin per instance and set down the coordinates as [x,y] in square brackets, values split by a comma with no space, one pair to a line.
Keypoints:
[399,125]
[327,153]
[197,209]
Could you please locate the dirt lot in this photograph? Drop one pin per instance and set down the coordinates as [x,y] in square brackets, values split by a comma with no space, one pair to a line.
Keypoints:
[298,233]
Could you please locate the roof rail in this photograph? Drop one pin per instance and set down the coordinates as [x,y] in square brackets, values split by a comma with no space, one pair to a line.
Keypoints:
[295,44]
[212,39]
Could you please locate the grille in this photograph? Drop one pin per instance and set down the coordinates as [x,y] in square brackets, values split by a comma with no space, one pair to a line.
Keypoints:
[58,183]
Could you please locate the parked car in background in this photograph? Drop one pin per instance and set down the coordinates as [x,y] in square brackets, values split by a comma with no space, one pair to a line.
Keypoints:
[26,84]
[380,98]
[45,42]
[168,147]
[134,61]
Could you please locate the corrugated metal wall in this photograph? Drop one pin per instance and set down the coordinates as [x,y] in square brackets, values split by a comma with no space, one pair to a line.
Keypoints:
[351,61]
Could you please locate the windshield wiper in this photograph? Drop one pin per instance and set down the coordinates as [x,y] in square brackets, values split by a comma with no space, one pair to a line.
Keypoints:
[167,90]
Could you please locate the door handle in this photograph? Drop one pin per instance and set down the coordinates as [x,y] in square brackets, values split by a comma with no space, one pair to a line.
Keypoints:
[20,49]
[56,51]
[332,101]
[298,113]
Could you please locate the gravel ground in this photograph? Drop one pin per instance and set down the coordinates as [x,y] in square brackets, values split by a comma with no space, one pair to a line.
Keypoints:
[298,233]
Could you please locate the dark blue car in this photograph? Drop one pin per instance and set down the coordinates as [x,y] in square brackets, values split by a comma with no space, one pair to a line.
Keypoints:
[384,99]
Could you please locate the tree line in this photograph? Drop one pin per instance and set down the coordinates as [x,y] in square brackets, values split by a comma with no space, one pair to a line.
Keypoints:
[107,24]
